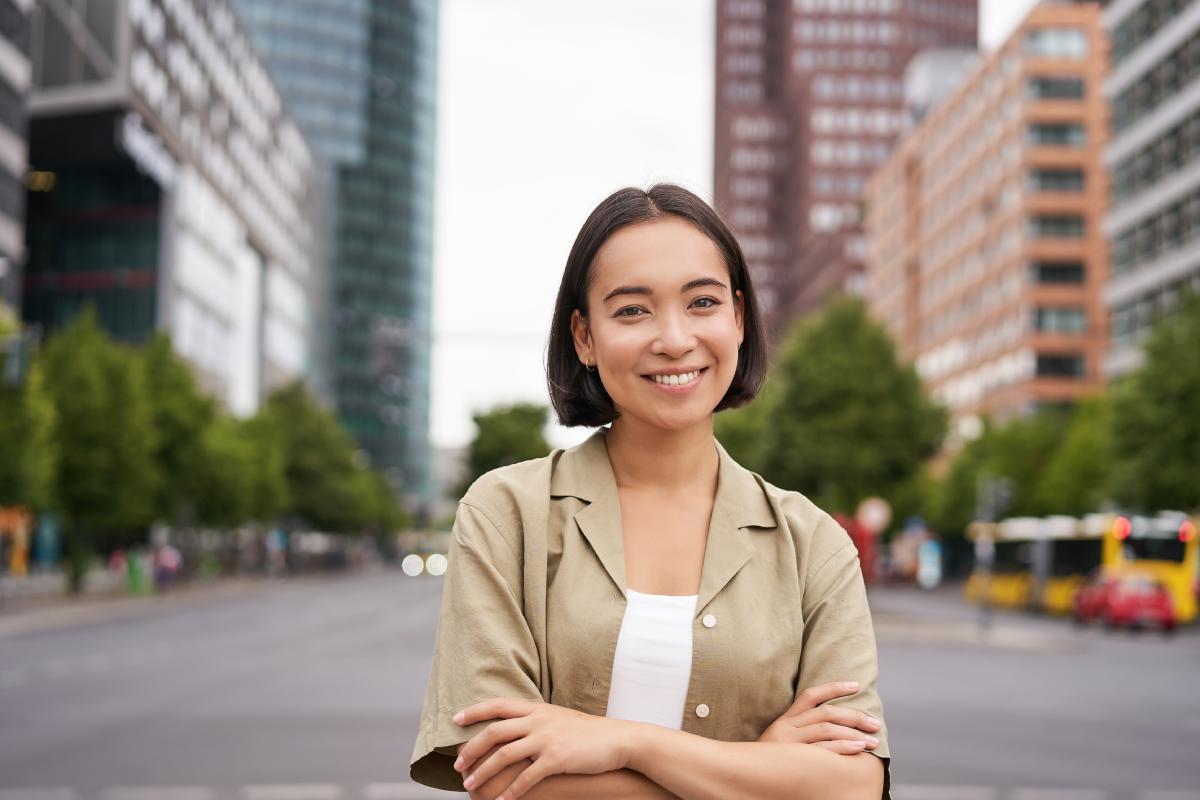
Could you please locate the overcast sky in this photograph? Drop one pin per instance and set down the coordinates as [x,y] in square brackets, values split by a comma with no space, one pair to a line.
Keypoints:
[545,107]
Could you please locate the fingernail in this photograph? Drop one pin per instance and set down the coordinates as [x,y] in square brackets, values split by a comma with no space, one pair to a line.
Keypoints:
[459,717]
[458,764]
[872,740]
[859,744]
[875,722]
[469,782]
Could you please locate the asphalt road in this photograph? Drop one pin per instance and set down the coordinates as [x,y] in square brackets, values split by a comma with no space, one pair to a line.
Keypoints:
[310,690]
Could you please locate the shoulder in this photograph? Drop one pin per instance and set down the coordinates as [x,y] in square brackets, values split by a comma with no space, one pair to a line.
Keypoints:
[817,535]
[506,496]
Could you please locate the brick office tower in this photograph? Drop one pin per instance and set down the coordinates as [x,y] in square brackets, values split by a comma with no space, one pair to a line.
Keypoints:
[986,254]
[809,101]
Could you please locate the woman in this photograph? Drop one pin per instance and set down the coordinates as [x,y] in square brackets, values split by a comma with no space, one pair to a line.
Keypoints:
[639,616]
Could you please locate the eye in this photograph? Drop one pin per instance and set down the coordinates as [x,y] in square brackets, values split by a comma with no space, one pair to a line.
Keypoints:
[711,302]
[621,312]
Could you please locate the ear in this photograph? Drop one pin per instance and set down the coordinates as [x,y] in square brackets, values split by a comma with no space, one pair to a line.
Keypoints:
[739,313]
[582,337]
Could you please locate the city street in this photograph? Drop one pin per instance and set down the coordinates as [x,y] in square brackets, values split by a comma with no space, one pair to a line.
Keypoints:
[310,689]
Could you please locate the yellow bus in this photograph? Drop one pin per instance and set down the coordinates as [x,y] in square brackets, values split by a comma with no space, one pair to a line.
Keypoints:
[1042,562]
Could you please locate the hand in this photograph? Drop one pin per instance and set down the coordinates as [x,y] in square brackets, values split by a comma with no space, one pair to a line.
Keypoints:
[556,739]
[840,730]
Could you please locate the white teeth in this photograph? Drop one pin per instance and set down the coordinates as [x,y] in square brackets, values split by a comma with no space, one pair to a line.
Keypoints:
[677,380]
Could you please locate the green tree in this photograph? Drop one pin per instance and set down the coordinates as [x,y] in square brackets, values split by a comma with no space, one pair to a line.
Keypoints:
[1078,477]
[506,435]
[182,415]
[268,484]
[223,480]
[105,477]
[848,420]
[743,431]
[1021,451]
[319,462]
[28,440]
[951,502]
[1156,431]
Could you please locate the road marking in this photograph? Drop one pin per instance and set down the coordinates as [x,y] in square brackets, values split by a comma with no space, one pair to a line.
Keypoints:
[403,791]
[38,794]
[918,792]
[296,791]
[159,793]
[1059,794]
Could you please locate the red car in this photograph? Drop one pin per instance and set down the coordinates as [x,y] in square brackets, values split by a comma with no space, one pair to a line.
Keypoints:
[1133,601]
[1092,598]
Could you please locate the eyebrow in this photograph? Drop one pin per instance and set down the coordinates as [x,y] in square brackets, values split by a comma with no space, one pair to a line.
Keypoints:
[687,287]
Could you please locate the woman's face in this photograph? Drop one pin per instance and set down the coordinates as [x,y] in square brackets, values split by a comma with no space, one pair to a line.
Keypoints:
[663,324]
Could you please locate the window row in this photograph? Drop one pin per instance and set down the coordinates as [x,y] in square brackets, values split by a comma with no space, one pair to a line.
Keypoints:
[1171,228]
[1164,80]
[1056,226]
[1046,179]
[1056,272]
[880,121]
[1060,319]
[842,58]
[848,6]
[1133,319]
[1056,43]
[849,153]
[1173,149]
[854,87]
[1061,365]
[1065,134]
[1054,87]
[836,31]
[1144,22]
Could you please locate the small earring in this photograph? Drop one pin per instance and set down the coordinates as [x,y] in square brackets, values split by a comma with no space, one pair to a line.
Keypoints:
[589,366]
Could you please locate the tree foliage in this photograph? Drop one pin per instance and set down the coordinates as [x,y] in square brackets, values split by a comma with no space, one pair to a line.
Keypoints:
[506,435]
[843,420]
[1157,419]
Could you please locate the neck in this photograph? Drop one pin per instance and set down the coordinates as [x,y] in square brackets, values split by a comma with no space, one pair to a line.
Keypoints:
[647,457]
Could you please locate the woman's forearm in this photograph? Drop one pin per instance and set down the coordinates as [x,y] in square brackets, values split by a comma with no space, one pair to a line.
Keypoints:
[695,768]
[622,784]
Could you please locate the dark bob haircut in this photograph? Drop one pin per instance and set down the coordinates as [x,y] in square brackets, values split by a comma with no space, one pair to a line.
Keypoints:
[578,396]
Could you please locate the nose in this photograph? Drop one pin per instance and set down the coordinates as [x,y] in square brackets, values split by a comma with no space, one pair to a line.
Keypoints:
[675,337]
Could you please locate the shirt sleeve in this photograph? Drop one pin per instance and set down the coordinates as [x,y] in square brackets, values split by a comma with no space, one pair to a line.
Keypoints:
[484,647]
[839,638]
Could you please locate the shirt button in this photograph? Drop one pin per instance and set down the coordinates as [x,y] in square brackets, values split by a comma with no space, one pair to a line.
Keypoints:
[709,621]
[702,711]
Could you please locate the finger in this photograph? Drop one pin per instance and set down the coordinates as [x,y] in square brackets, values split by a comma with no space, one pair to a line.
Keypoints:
[850,717]
[815,695]
[493,735]
[830,732]
[842,747]
[529,777]
[497,707]
[505,755]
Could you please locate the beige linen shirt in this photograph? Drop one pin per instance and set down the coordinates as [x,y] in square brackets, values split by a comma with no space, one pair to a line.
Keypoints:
[534,597]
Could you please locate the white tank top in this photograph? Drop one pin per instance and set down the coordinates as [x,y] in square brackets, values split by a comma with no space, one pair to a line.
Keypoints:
[653,661]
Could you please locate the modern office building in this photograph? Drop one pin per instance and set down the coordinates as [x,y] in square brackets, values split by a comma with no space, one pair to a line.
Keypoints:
[360,76]
[1154,160]
[986,255]
[809,102]
[14,87]
[169,188]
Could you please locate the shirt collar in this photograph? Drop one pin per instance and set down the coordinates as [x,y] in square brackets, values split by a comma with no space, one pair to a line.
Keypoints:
[584,471]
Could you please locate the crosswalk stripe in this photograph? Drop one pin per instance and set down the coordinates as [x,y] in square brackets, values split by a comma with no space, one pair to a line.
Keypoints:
[295,791]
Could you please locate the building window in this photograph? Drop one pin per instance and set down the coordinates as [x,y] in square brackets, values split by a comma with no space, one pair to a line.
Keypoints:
[1060,365]
[1164,80]
[1047,87]
[1060,319]
[1056,43]
[1068,134]
[1056,272]
[1055,180]
[1056,226]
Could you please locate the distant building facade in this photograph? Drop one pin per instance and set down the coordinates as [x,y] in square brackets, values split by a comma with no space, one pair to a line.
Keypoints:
[986,255]
[14,87]
[1154,160]
[809,102]
[170,189]
[360,77]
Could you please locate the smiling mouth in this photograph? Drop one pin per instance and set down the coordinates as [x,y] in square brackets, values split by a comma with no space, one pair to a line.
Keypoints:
[683,379]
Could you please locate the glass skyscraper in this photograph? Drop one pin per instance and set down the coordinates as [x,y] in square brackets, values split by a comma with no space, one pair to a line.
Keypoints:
[360,78]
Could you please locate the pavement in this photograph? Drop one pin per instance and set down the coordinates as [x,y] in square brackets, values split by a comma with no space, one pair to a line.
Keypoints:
[310,689]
